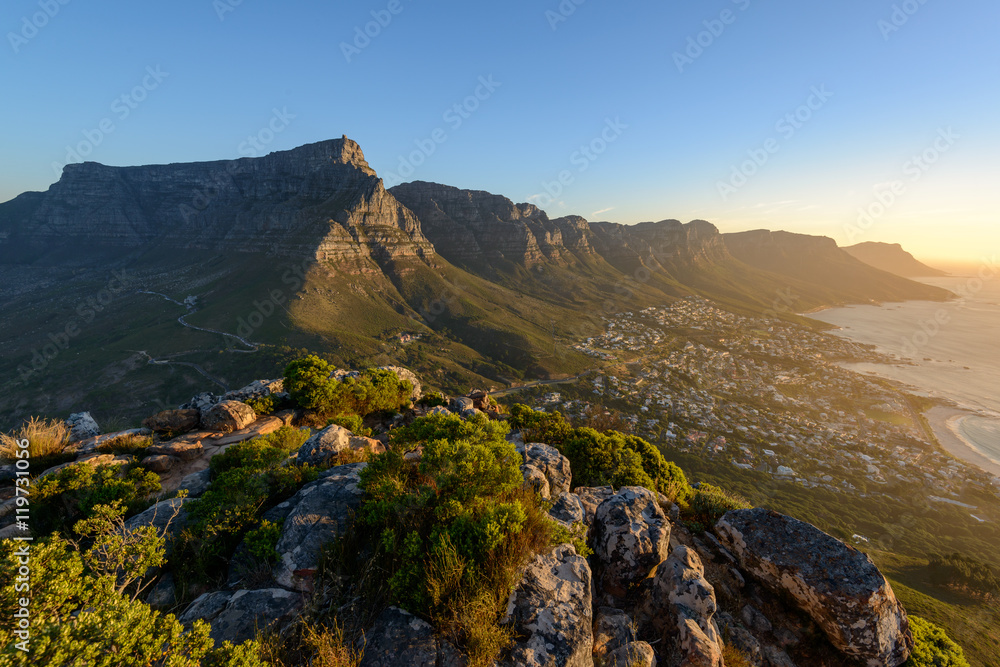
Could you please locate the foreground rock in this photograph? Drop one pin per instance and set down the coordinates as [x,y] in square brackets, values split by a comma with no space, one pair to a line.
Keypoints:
[324,447]
[550,611]
[681,606]
[399,638]
[236,617]
[228,416]
[631,537]
[81,426]
[591,497]
[173,421]
[553,465]
[320,512]
[836,585]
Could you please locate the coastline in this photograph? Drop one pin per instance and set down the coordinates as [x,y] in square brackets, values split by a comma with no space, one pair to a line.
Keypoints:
[944,422]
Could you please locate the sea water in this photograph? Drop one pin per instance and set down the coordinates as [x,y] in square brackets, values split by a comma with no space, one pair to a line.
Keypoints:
[948,350]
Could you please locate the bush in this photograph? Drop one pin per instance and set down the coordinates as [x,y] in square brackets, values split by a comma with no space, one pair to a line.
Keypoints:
[263,405]
[550,428]
[374,390]
[433,399]
[248,479]
[78,618]
[352,423]
[932,647]
[964,573]
[456,529]
[263,540]
[710,503]
[69,495]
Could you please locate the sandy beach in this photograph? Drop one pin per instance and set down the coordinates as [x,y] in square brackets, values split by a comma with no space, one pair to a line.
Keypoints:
[943,421]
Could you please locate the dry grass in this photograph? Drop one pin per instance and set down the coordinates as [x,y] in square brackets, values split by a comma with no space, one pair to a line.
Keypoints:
[45,438]
[129,444]
[308,643]
[733,657]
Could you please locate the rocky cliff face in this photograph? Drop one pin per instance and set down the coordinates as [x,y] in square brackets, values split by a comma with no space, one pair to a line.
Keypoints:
[319,201]
[660,245]
[469,227]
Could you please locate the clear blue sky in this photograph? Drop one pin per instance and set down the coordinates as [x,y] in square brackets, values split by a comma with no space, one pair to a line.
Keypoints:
[892,93]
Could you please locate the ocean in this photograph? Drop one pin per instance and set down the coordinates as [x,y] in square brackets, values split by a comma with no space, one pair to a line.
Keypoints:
[952,351]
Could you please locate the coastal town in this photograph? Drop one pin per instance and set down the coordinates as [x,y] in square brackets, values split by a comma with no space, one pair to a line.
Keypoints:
[769,396]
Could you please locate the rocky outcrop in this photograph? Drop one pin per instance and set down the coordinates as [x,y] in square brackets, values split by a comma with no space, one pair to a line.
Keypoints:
[591,498]
[236,617]
[553,466]
[479,231]
[837,586]
[633,654]
[613,629]
[550,612]
[680,606]
[228,416]
[173,421]
[321,202]
[568,510]
[323,448]
[320,512]
[81,426]
[399,638]
[631,536]
[196,483]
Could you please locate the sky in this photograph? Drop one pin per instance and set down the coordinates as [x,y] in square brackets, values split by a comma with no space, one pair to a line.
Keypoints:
[862,120]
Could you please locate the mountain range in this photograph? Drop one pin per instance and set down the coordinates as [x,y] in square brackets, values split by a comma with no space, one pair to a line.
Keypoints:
[125,283]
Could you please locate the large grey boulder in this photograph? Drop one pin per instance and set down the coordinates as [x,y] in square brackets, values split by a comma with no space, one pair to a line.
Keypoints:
[81,426]
[228,416]
[568,510]
[236,617]
[551,463]
[631,536]
[196,483]
[399,638]
[680,606]
[320,512]
[173,421]
[591,497]
[633,654]
[257,389]
[324,446]
[551,614]
[835,584]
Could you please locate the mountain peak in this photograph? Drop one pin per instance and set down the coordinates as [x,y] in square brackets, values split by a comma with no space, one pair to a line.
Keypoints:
[892,258]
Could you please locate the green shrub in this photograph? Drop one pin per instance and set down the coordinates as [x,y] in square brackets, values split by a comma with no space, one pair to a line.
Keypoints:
[263,405]
[550,428]
[932,647]
[374,390]
[79,618]
[457,528]
[352,423]
[710,503]
[263,540]
[433,399]
[248,479]
[69,495]
[965,573]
